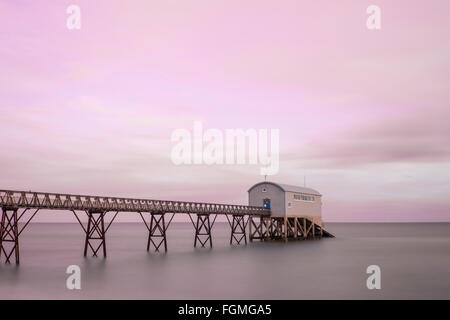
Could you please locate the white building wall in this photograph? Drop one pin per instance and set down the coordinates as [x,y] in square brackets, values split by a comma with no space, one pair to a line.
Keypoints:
[257,195]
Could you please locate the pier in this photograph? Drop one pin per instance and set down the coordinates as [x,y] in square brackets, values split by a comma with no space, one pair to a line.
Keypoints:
[20,207]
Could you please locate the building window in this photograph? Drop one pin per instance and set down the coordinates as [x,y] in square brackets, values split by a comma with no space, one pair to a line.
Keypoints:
[302,197]
[264,190]
[289,204]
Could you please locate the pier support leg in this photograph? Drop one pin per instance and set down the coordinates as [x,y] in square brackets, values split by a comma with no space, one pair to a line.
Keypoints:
[9,235]
[203,231]
[290,228]
[313,229]
[267,227]
[259,228]
[257,225]
[309,228]
[295,228]
[299,228]
[95,233]
[305,231]
[238,233]
[277,228]
[250,231]
[286,232]
[157,230]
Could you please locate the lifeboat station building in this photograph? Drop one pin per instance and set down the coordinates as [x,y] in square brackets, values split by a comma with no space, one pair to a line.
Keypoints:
[296,212]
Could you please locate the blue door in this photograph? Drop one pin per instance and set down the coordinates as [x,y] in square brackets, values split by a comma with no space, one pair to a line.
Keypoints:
[266,203]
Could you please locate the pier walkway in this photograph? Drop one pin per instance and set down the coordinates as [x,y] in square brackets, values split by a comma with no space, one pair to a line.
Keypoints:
[20,207]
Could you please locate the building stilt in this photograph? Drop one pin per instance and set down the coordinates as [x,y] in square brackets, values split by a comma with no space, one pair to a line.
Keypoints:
[284,228]
[278,228]
[267,227]
[290,226]
[256,229]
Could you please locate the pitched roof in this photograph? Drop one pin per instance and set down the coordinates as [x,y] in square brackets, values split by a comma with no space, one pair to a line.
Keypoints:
[289,188]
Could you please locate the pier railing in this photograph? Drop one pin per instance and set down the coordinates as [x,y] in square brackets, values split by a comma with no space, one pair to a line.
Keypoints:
[59,201]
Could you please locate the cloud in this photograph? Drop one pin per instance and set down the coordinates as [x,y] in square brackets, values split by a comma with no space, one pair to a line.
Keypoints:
[420,137]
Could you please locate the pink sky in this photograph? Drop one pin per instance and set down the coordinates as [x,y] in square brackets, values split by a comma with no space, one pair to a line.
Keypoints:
[363,114]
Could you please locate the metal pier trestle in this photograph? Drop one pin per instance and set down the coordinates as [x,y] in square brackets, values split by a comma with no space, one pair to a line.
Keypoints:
[203,231]
[9,232]
[238,227]
[95,233]
[157,230]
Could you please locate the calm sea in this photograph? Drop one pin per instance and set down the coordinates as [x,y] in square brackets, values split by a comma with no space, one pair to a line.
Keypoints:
[414,261]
